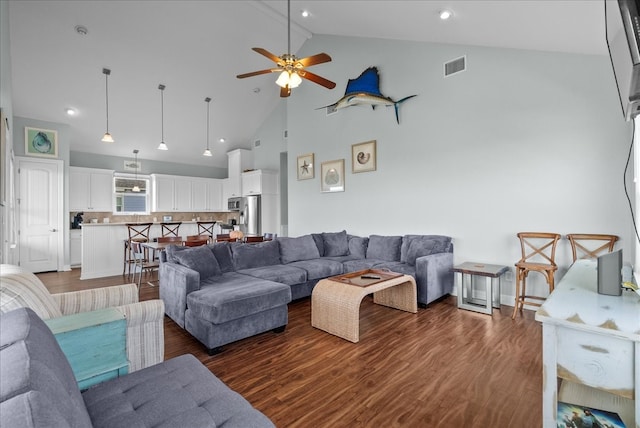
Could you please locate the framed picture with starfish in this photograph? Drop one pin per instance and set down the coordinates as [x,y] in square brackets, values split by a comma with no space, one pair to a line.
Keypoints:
[305,167]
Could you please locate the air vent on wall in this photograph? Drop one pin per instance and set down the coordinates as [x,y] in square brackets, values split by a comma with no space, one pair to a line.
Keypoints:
[454,66]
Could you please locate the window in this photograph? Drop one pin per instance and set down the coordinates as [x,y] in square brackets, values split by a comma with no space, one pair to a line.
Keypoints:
[131,194]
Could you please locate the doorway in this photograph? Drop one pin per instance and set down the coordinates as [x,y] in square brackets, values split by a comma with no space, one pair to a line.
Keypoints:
[40,214]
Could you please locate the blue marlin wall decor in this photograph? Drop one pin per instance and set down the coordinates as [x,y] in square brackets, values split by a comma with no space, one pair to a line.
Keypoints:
[366,90]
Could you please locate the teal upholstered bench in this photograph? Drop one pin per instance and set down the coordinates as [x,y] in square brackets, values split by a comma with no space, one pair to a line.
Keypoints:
[94,343]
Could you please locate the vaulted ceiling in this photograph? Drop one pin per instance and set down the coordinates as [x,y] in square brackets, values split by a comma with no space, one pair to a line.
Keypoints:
[196,48]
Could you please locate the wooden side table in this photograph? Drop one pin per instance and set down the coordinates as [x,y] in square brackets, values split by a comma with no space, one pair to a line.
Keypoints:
[492,274]
[94,343]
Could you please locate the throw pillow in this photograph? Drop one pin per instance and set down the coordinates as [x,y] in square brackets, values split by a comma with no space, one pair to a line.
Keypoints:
[317,238]
[443,242]
[335,244]
[222,252]
[420,248]
[300,248]
[248,256]
[384,248]
[200,259]
[358,246]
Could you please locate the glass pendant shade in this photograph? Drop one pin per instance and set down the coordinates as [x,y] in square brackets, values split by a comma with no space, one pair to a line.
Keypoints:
[136,188]
[107,138]
[294,80]
[207,152]
[163,146]
[283,79]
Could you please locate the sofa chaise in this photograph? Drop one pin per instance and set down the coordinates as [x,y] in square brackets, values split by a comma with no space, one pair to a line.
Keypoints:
[38,388]
[229,291]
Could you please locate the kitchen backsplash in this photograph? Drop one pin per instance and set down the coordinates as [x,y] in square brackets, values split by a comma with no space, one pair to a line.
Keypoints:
[219,217]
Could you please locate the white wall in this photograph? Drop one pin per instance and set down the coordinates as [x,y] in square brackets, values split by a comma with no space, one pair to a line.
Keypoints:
[521,141]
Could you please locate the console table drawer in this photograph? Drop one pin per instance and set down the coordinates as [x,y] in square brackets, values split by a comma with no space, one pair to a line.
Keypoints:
[596,360]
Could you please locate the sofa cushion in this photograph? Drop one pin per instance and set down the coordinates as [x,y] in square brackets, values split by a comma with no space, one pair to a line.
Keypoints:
[234,295]
[35,375]
[300,248]
[222,253]
[443,244]
[20,288]
[317,238]
[384,248]
[358,246]
[319,268]
[420,248]
[247,256]
[200,259]
[335,244]
[179,392]
[285,274]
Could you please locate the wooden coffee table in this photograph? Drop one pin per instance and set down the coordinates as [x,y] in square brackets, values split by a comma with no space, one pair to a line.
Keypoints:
[335,301]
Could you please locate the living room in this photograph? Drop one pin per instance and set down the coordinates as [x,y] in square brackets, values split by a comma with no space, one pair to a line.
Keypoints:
[521,140]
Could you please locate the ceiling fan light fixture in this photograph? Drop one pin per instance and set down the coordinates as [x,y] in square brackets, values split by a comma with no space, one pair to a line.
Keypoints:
[283,79]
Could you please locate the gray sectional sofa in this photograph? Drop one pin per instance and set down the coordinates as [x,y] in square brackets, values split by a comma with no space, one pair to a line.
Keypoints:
[38,388]
[229,291]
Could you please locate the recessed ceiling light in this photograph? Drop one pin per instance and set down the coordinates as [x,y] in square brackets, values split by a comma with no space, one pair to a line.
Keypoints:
[70,111]
[305,13]
[222,140]
[445,14]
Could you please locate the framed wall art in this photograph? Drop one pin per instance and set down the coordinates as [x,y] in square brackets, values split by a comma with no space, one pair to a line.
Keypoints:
[363,157]
[332,176]
[305,167]
[40,142]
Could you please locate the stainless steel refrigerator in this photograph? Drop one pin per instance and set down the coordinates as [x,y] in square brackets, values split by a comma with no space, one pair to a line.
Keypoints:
[251,215]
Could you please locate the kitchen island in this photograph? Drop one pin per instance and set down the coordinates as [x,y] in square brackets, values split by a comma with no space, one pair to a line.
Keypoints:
[103,246]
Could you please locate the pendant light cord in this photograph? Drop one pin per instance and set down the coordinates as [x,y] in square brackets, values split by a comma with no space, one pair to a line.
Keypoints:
[162,112]
[208,116]
[106,89]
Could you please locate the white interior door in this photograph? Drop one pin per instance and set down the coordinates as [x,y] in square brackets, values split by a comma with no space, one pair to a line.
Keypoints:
[40,207]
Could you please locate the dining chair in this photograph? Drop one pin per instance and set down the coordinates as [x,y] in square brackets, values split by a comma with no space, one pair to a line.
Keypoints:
[196,242]
[582,244]
[250,239]
[136,232]
[222,237]
[170,229]
[206,228]
[538,255]
[141,262]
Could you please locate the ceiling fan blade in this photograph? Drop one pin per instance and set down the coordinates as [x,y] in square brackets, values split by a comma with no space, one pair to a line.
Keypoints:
[314,59]
[317,79]
[268,54]
[285,92]
[257,73]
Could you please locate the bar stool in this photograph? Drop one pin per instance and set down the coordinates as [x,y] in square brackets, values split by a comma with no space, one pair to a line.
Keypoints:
[206,228]
[137,232]
[170,229]
[583,243]
[538,255]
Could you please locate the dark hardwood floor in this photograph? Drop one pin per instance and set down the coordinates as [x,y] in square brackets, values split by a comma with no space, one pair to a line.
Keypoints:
[442,367]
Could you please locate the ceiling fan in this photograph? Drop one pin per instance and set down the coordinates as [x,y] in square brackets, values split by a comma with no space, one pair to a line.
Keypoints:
[291,68]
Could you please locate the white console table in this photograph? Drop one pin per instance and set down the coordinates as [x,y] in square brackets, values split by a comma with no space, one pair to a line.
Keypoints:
[589,339]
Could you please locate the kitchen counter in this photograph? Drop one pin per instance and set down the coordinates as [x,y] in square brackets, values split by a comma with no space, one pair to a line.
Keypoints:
[103,246]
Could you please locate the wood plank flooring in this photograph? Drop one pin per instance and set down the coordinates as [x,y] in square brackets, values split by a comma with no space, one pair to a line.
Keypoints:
[443,367]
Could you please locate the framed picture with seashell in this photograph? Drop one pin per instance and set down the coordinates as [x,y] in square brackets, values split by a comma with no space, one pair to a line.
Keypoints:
[332,176]
[306,168]
[40,142]
[363,157]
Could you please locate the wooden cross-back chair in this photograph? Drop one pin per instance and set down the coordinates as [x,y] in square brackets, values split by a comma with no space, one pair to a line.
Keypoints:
[136,232]
[538,255]
[206,228]
[170,229]
[141,262]
[582,244]
[221,237]
[196,241]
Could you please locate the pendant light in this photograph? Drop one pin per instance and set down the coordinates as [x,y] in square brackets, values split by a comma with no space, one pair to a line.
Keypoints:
[163,145]
[136,189]
[207,152]
[107,138]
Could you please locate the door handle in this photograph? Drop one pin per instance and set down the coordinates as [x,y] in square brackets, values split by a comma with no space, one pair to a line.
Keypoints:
[53,230]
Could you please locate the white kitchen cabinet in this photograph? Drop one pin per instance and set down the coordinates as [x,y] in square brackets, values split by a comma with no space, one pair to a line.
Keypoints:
[259,182]
[90,189]
[239,160]
[170,193]
[206,194]
[214,196]
[75,247]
